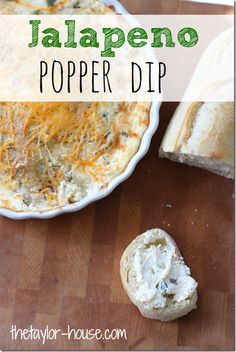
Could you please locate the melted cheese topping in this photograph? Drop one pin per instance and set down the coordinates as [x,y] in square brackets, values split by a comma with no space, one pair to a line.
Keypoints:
[40,8]
[56,7]
[53,154]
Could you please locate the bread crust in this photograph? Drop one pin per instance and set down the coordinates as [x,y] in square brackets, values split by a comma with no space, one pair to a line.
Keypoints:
[214,149]
[172,311]
[202,134]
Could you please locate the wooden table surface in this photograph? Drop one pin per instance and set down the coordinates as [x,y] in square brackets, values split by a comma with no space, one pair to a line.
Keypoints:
[65,271]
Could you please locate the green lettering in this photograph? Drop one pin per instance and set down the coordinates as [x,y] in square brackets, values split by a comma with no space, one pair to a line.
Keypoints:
[157,42]
[51,40]
[89,39]
[35,33]
[137,34]
[70,34]
[193,37]
[109,43]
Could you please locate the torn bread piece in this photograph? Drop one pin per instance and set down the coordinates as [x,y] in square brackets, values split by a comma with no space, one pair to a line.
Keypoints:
[202,135]
[156,278]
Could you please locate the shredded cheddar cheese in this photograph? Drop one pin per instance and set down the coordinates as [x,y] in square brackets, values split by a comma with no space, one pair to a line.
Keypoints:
[36,7]
[56,151]
[54,154]
[45,125]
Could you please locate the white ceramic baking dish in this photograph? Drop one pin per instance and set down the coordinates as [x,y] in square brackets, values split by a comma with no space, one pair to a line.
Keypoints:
[98,194]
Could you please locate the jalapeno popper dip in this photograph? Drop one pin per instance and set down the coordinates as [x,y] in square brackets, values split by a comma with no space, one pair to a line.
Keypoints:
[53,154]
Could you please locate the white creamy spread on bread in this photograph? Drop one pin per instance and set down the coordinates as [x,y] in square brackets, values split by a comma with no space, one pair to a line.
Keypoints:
[160,273]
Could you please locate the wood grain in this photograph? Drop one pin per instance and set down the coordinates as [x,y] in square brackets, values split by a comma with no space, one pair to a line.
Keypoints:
[66,270]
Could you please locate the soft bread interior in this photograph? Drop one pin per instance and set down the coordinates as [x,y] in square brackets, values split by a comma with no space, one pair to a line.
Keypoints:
[218,167]
[155,277]
[202,135]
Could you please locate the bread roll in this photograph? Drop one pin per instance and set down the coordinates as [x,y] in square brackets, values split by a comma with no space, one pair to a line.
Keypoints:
[155,277]
[202,134]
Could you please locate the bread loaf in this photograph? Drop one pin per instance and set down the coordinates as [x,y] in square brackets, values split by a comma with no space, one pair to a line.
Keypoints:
[202,134]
